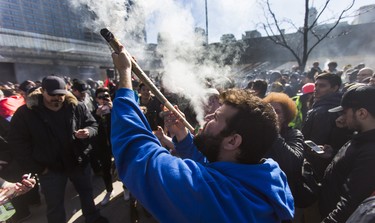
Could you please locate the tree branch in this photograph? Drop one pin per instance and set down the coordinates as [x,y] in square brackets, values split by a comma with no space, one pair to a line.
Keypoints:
[332,28]
[319,14]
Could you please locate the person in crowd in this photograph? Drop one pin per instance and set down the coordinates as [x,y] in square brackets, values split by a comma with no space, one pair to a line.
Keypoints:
[10,171]
[152,106]
[365,212]
[372,80]
[319,125]
[68,82]
[349,178]
[360,66]
[213,101]
[320,128]
[9,190]
[275,76]
[237,185]
[332,67]
[308,77]
[351,75]
[102,143]
[287,150]
[93,85]
[364,74]
[25,86]
[81,91]
[304,102]
[277,87]
[295,68]
[315,68]
[8,106]
[259,87]
[294,85]
[58,150]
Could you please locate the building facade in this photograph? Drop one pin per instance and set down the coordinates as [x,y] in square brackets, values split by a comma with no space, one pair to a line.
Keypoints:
[42,37]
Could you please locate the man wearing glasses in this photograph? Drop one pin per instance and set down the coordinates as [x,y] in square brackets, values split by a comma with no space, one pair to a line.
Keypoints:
[50,136]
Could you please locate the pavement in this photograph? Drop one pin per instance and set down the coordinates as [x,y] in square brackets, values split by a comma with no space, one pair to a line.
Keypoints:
[117,210]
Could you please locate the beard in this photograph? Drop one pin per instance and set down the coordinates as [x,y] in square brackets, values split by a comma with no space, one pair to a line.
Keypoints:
[209,145]
[56,103]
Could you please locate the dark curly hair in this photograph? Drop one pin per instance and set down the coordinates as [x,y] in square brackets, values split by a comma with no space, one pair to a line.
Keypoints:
[255,121]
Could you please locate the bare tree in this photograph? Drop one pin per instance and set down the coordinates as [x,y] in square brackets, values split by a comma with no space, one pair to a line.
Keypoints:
[306,38]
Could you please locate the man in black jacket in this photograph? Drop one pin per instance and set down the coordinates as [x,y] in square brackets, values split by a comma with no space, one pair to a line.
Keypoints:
[350,177]
[320,128]
[319,125]
[49,136]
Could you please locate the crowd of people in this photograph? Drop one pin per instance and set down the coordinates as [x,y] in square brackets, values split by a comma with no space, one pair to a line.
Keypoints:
[248,163]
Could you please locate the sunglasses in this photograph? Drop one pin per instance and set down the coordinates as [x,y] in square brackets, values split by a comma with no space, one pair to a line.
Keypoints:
[106,96]
[53,95]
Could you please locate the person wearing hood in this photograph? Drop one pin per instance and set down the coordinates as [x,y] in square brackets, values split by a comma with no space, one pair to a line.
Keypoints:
[221,175]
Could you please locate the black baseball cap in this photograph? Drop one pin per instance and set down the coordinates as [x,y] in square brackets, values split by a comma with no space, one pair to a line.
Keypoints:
[358,97]
[54,85]
[80,86]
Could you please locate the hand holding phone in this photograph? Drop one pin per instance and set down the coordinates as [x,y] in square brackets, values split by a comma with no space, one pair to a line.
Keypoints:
[314,147]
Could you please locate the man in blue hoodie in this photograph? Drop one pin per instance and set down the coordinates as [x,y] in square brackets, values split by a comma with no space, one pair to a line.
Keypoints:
[235,185]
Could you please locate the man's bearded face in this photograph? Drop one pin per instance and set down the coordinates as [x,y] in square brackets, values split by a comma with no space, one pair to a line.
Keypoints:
[209,145]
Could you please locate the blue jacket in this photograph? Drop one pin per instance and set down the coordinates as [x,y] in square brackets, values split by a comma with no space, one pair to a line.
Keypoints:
[183,190]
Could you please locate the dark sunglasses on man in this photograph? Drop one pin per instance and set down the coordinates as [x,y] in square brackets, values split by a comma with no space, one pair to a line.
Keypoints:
[104,97]
[53,95]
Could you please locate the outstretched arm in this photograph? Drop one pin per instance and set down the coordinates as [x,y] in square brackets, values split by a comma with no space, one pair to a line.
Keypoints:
[123,64]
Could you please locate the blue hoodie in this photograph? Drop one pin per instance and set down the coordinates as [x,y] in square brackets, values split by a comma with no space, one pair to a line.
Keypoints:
[183,190]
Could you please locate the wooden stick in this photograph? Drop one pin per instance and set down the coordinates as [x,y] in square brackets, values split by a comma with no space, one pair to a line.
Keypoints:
[116,46]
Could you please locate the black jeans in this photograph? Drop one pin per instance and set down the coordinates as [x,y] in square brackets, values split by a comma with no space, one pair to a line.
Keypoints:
[53,187]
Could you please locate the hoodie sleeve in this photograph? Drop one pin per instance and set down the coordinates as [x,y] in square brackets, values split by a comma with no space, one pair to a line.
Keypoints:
[187,150]
[144,165]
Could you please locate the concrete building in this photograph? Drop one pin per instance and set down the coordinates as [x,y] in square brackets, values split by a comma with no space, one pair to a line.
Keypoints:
[365,14]
[42,37]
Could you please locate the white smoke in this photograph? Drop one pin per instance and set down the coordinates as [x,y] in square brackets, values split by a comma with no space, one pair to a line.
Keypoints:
[186,67]
[109,14]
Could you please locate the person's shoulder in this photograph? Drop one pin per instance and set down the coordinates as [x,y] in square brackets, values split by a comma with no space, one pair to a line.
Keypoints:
[79,106]
[365,212]
[293,132]
[23,109]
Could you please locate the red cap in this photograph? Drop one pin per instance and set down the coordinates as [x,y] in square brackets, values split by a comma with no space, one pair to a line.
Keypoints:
[308,88]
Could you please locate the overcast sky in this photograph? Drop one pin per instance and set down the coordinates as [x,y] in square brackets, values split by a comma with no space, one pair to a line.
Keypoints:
[229,16]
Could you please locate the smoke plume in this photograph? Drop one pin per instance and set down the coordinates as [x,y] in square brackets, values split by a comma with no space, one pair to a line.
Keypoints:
[186,67]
